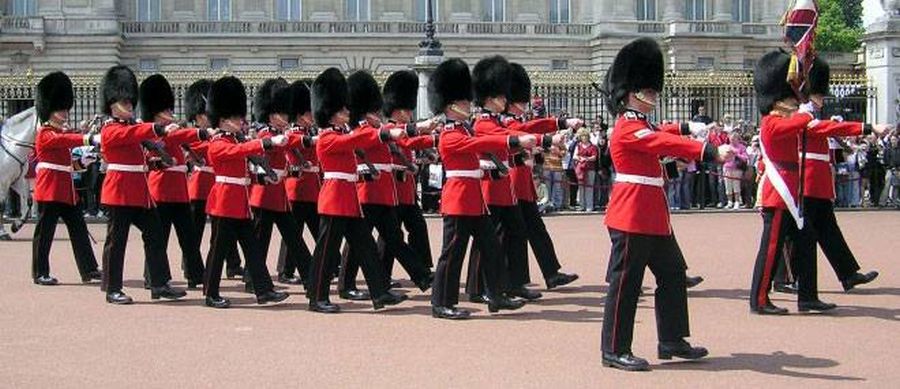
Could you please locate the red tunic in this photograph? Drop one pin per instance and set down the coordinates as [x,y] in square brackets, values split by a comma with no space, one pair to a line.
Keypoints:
[54,149]
[170,185]
[497,191]
[228,158]
[303,189]
[636,146]
[462,196]
[334,149]
[818,178]
[121,144]
[521,172]
[202,178]
[272,196]
[382,190]
[406,189]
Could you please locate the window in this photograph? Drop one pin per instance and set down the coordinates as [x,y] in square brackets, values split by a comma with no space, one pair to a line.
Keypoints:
[695,9]
[22,7]
[358,10]
[288,63]
[288,9]
[559,11]
[740,11]
[218,10]
[559,64]
[493,10]
[148,10]
[705,62]
[217,64]
[646,10]
[148,65]
[422,9]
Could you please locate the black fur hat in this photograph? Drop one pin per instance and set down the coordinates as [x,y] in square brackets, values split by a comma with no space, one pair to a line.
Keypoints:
[401,91]
[195,98]
[54,93]
[820,78]
[520,86]
[119,84]
[638,65]
[227,98]
[300,95]
[770,80]
[451,81]
[329,96]
[491,78]
[155,96]
[273,96]
[364,95]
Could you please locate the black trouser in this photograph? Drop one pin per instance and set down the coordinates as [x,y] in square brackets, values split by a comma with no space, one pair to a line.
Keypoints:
[457,231]
[413,221]
[179,215]
[539,238]
[225,234]
[630,255]
[778,225]
[384,219]
[50,212]
[121,218]
[198,214]
[509,225]
[327,256]
[297,251]
[305,213]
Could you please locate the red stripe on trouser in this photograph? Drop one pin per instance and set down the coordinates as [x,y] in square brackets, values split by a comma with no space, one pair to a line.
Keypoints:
[762,294]
[619,294]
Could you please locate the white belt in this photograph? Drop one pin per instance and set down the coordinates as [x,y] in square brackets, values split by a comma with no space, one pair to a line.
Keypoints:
[311,169]
[464,173]
[640,180]
[126,168]
[399,168]
[281,173]
[205,169]
[53,166]
[242,181]
[490,165]
[340,176]
[818,157]
[177,169]
[385,167]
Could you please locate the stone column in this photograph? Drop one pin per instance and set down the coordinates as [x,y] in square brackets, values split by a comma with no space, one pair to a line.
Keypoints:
[882,45]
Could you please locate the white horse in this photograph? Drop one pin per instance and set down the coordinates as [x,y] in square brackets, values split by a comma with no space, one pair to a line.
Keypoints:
[16,142]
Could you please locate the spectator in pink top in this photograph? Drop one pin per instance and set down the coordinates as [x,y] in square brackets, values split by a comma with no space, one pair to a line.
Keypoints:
[733,171]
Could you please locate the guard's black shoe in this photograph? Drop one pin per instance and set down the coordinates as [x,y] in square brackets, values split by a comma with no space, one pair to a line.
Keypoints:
[859,279]
[815,305]
[271,297]
[248,288]
[691,282]
[166,292]
[289,279]
[681,349]
[449,313]
[194,285]
[234,273]
[497,303]
[394,284]
[786,287]
[354,295]
[478,299]
[560,279]
[770,309]
[94,275]
[147,284]
[118,297]
[388,298]
[425,283]
[625,361]
[525,293]
[217,302]
[324,307]
[45,281]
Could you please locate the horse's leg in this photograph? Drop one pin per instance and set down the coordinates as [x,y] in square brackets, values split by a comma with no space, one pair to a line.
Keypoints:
[3,234]
[22,187]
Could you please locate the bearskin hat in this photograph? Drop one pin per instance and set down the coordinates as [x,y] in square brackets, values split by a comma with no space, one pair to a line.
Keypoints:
[520,85]
[227,98]
[638,65]
[195,98]
[155,96]
[364,95]
[451,81]
[491,78]
[119,84]
[300,95]
[54,93]
[329,96]
[820,78]
[770,80]
[401,91]
[273,96]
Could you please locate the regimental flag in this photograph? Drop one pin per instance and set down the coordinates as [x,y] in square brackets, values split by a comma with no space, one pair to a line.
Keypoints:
[800,32]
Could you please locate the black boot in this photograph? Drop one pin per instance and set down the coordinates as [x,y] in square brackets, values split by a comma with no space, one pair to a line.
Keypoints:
[217,302]
[691,282]
[388,298]
[786,287]
[858,279]
[166,292]
[449,313]
[323,307]
[770,309]
[234,273]
[94,275]
[815,305]
[681,349]
[478,299]
[560,279]
[625,361]
[524,293]
[425,283]
[500,302]
[45,281]
[117,297]
[354,295]
[271,297]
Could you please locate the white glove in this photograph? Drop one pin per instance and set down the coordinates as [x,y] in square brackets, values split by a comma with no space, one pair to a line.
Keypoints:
[574,123]
[699,129]
[837,118]
[807,107]
[172,127]
[279,140]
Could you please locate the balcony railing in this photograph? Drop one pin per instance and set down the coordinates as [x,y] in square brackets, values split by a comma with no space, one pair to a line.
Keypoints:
[21,25]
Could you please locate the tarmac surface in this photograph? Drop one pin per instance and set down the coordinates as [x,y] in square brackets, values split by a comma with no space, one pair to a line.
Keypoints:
[67,336]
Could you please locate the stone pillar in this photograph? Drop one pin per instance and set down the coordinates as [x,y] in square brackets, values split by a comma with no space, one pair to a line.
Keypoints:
[424,66]
[882,45]
[722,11]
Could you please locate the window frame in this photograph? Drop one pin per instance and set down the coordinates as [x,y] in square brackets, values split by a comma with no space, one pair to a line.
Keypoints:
[368,15]
[218,17]
[214,59]
[15,7]
[558,3]
[644,17]
[148,11]
[493,12]
[690,13]
[739,5]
